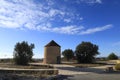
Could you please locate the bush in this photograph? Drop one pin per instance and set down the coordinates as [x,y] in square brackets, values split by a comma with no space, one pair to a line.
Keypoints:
[23,53]
[117,66]
[112,56]
[68,54]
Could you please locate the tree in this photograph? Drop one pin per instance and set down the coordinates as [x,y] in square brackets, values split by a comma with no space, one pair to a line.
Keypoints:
[112,56]
[86,52]
[23,53]
[68,54]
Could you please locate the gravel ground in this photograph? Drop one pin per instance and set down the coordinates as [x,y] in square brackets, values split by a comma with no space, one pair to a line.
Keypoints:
[16,77]
[95,76]
[70,73]
[89,76]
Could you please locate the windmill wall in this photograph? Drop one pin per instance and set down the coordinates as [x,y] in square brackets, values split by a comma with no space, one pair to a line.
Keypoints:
[52,53]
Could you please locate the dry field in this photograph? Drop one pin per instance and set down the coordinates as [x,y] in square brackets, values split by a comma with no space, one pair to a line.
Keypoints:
[11,65]
[85,65]
[23,75]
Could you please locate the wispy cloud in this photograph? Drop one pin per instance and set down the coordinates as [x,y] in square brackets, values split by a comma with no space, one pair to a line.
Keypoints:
[17,13]
[99,1]
[96,29]
[28,14]
[81,18]
[72,29]
[68,29]
[93,1]
[67,20]
[89,1]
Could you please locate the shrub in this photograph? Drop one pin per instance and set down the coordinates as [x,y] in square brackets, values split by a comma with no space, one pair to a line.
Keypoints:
[23,53]
[117,66]
[112,56]
[68,54]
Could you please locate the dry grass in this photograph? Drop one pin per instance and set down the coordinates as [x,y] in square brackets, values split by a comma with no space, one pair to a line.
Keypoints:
[11,65]
[117,67]
[82,65]
[19,74]
[86,65]
[22,77]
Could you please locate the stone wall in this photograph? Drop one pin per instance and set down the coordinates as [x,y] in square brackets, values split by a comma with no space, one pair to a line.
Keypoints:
[50,54]
[30,71]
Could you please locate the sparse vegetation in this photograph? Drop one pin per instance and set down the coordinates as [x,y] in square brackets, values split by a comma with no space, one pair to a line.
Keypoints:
[86,65]
[30,66]
[4,76]
[6,60]
[112,56]
[23,53]
[117,66]
[34,70]
[68,54]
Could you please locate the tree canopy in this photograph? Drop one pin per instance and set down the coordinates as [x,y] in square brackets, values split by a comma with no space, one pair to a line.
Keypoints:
[112,56]
[23,53]
[86,52]
[68,54]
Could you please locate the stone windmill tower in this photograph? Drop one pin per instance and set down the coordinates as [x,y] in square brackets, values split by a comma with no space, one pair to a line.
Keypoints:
[52,53]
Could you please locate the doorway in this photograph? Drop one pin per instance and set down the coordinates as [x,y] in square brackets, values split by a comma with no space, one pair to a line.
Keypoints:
[58,59]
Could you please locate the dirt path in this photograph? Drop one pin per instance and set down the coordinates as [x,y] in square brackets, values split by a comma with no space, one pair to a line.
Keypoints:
[71,70]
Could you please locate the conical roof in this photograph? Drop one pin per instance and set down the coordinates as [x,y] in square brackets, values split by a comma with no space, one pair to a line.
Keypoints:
[52,43]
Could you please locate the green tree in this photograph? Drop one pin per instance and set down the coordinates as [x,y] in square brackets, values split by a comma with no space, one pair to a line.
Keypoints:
[68,54]
[86,52]
[112,56]
[23,53]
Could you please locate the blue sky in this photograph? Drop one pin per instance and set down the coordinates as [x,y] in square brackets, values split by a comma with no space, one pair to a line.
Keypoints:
[68,22]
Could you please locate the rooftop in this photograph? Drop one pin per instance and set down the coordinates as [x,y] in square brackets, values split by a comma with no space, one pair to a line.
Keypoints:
[52,43]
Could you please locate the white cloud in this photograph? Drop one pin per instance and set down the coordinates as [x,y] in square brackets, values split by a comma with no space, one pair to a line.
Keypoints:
[50,2]
[97,29]
[98,1]
[26,14]
[72,29]
[81,18]
[67,29]
[93,1]
[67,20]
[54,12]
[89,1]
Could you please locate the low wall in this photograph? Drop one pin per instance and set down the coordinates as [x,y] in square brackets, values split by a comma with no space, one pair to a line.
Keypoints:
[39,72]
